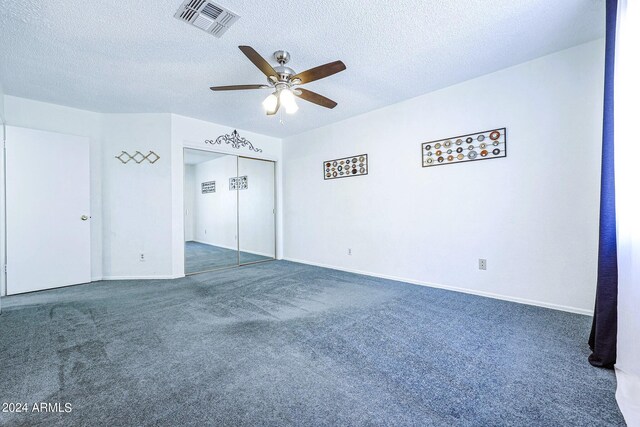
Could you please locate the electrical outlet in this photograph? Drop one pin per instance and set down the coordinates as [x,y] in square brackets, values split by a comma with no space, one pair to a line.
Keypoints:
[482,264]
[141,257]
[349,251]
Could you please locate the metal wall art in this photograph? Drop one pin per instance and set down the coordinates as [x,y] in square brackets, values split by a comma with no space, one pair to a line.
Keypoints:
[239,183]
[138,157]
[235,140]
[208,187]
[346,167]
[490,144]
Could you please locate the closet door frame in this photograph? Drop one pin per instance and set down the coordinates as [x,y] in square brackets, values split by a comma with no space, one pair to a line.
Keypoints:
[275,207]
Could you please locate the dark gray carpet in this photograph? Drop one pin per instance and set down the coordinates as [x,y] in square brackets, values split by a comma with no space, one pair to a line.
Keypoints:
[202,257]
[281,343]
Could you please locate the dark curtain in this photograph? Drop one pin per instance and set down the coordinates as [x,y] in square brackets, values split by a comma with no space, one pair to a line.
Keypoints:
[602,339]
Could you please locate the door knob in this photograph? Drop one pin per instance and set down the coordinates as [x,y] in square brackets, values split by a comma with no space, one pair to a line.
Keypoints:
[84,217]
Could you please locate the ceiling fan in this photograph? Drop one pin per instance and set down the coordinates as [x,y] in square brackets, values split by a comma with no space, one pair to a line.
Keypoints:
[285,81]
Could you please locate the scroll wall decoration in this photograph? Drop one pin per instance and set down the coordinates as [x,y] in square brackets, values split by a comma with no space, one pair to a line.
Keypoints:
[138,157]
[235,140]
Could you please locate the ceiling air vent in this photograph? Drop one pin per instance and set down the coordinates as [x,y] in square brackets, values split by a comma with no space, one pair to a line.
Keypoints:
[206,15]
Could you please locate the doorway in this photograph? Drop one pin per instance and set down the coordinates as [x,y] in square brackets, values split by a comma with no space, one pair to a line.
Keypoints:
[229,210]
[47,210]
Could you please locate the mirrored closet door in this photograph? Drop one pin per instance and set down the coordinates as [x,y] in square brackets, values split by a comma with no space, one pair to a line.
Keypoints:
[229,210]
[210,211]
[256,210]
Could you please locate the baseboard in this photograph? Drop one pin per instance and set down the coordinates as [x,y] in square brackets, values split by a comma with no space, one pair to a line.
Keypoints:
[536,303]
[159,277]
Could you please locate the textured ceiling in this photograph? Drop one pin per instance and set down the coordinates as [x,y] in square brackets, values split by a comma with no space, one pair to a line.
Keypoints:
[133,56]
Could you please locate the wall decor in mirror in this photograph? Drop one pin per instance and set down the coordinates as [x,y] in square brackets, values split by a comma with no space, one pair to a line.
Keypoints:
[208,187]
[489,144]
[239,183]
[346,167]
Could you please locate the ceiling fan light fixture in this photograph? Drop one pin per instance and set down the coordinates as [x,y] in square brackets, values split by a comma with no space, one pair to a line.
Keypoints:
[270,103]
[288,100]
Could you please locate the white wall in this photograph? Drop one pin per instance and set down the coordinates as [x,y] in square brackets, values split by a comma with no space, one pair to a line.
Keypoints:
[2,219]
[55,118]
[135,208]
[532,215]
[138,211]
[1,103]
[192,133]
[216,215]
[190,191]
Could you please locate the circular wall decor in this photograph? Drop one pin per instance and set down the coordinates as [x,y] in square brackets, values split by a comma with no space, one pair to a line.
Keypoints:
[348,166]
[452,149]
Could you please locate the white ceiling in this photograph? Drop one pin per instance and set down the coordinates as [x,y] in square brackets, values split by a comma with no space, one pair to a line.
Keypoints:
[134,56]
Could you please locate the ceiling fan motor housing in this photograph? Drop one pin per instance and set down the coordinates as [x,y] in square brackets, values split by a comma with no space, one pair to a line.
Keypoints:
[284,73]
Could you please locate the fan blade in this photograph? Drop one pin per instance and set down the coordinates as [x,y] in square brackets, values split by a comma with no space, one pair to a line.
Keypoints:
[307,95]
[320,72]
[258,61]
[238,87]
[276,110]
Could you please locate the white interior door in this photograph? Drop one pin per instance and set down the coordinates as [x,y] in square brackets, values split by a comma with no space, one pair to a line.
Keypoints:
[48,210]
